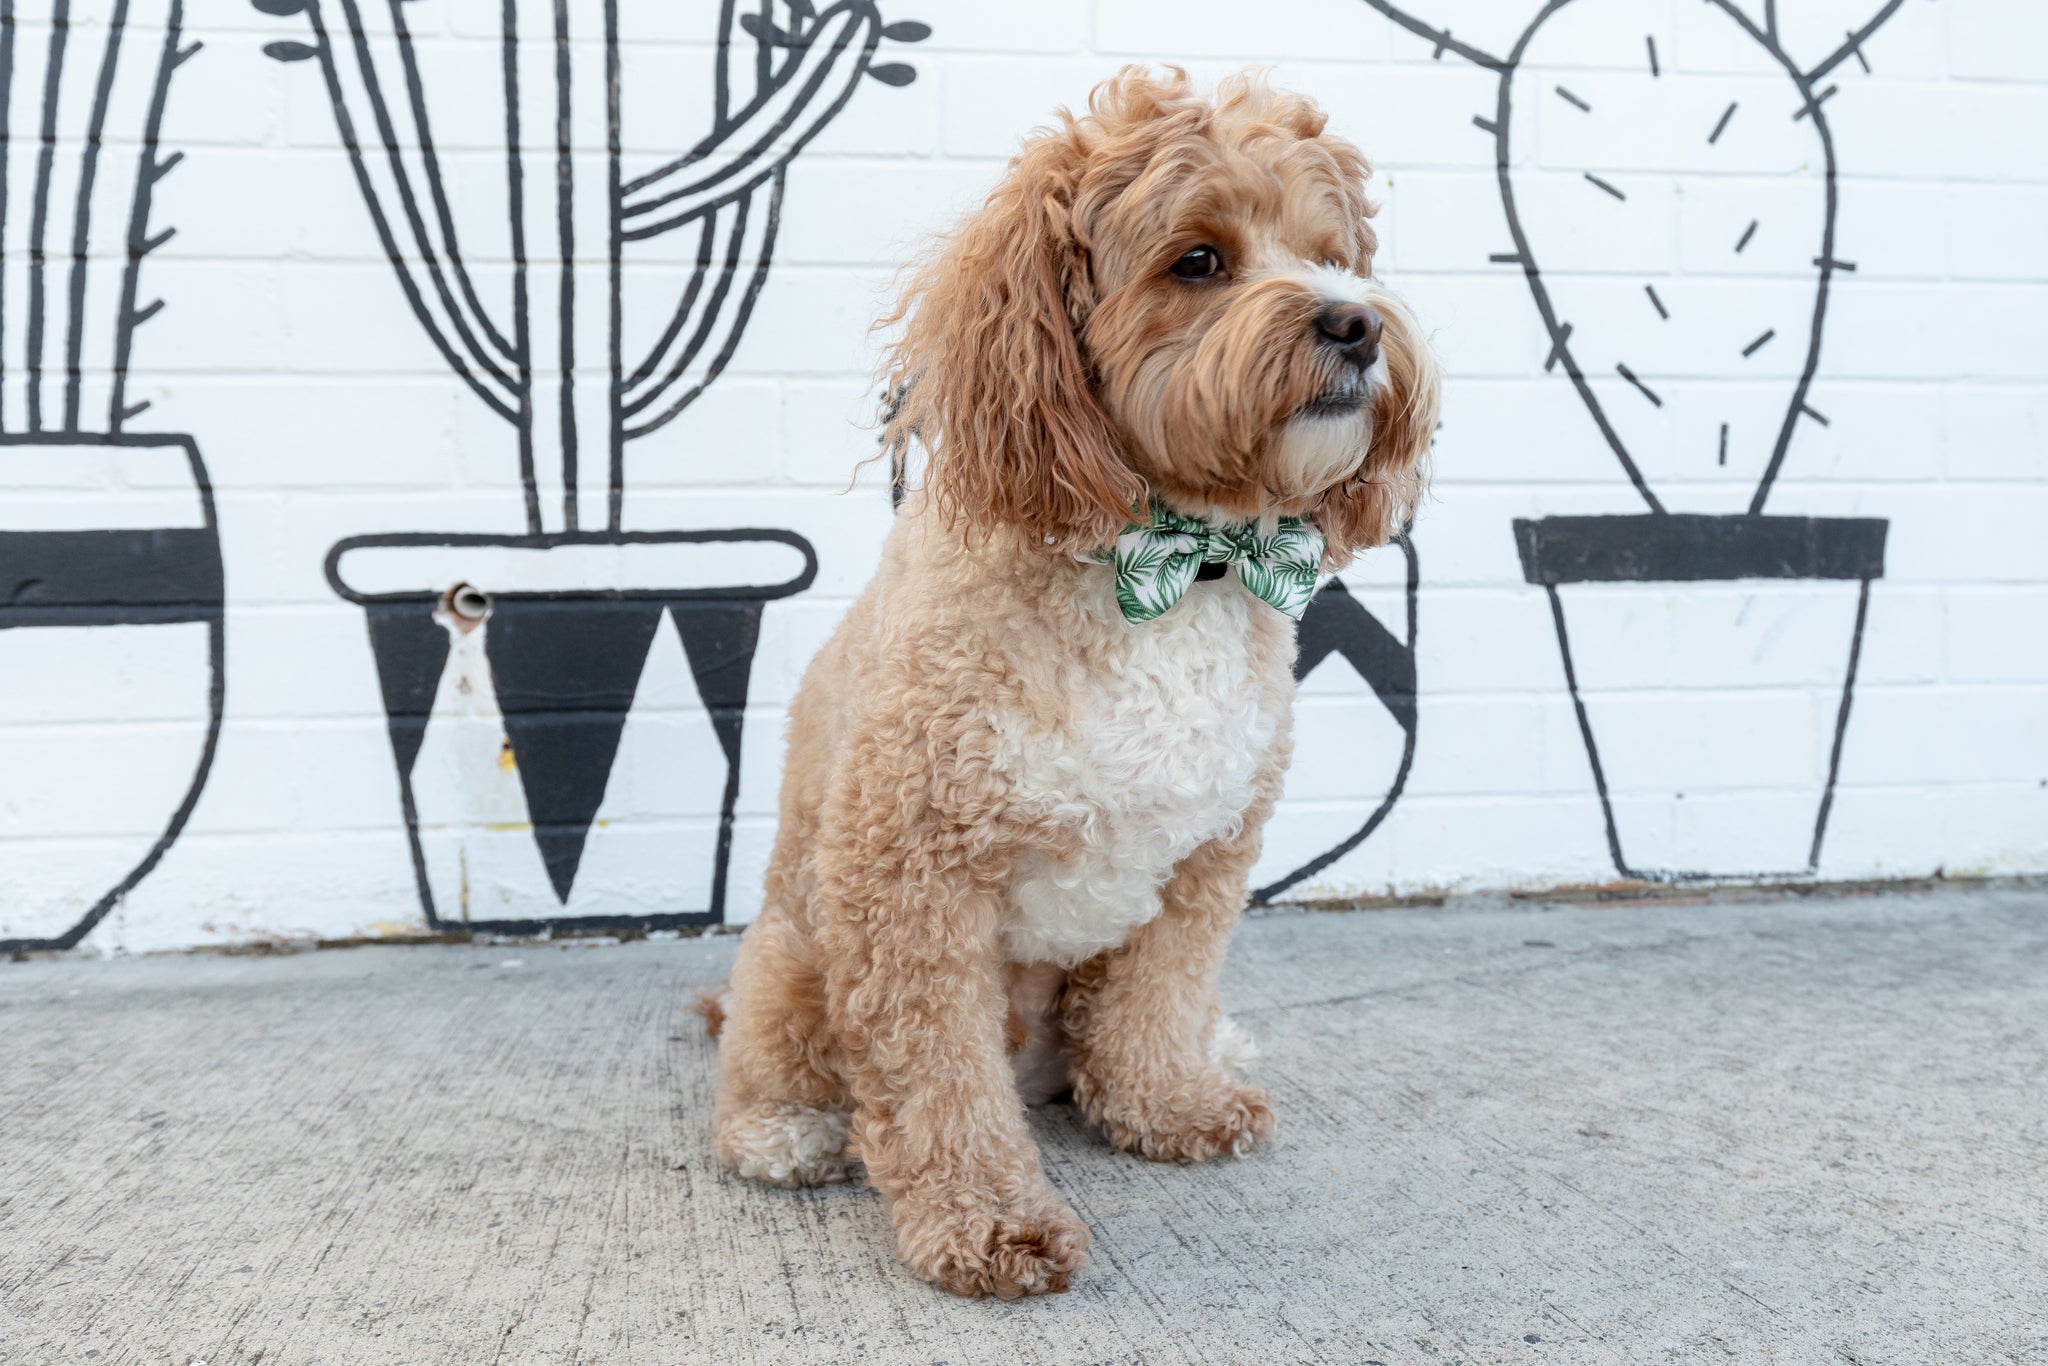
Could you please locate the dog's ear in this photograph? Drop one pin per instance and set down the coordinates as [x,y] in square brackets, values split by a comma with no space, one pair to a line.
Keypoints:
[1373,505]
[990,366]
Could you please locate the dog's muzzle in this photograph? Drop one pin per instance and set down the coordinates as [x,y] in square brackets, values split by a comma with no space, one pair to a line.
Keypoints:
[1350,392]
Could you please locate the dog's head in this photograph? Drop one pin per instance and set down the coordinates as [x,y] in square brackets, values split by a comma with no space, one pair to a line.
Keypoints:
[1168,296]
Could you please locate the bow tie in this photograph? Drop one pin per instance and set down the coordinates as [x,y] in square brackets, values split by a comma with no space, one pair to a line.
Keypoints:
[1155,562]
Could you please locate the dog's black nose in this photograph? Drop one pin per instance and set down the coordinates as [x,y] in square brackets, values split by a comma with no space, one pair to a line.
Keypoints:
[1353,329]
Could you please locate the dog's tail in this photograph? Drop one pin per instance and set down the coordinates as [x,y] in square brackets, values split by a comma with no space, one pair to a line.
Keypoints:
[710,1005]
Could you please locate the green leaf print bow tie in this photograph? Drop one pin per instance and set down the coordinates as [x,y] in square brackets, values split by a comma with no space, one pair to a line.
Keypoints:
[1155,563]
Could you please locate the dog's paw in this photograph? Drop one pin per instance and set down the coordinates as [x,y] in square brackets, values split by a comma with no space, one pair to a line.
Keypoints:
[1006,1250]
[785,1144]
[1229,1118]
[1232,1048]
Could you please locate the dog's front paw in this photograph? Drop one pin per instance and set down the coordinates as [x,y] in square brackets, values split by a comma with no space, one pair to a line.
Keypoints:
[785,1144]
[1008,1249]
[1224,1117]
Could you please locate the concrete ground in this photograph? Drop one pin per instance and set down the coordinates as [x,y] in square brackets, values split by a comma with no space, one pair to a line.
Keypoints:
[1792,1131]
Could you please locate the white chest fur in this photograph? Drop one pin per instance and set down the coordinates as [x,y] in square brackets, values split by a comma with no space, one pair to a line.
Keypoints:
[1157,755]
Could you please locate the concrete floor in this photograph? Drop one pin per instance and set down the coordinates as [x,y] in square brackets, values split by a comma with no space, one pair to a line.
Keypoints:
[1790,1131]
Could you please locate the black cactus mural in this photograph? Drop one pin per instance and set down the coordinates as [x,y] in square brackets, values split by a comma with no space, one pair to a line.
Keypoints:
[130,614]
[555,620]
[1695,381]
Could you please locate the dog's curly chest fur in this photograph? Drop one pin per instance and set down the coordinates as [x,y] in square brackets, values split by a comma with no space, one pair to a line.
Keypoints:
[1156,754]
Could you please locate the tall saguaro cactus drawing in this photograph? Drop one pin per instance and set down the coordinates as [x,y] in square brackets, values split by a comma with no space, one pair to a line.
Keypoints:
[1675,223]
[110,568]
[510,663]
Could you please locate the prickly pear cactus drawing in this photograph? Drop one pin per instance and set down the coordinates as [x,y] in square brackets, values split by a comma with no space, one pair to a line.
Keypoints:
[1688,374]
[1678,234]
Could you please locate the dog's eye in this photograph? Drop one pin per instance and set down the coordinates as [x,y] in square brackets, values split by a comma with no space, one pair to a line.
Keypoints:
[1199,264]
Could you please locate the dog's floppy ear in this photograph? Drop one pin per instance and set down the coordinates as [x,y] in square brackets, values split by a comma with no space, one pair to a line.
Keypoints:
[993,380]
[1369,508]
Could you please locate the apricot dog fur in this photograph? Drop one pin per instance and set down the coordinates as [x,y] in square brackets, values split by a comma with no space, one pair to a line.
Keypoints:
[1016,829]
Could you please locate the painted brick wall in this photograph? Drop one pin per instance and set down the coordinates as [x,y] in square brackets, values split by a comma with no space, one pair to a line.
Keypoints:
[364,778]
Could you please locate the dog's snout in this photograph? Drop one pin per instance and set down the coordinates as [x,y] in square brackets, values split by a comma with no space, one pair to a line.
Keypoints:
[1353,329]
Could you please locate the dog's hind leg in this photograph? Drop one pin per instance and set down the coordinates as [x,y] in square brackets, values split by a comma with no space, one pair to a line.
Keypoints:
[783,1113]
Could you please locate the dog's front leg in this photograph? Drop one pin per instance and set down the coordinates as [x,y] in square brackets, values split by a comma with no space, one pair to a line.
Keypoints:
[916,994]
[1141,1018]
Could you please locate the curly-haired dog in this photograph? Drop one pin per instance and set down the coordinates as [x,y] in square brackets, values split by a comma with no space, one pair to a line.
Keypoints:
[1159,390]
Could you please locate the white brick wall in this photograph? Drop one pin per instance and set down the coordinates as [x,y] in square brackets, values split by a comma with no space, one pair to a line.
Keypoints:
[288,354]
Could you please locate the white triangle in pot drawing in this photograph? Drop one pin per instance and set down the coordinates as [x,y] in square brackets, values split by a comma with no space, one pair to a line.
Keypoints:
[474,832]
[654,845]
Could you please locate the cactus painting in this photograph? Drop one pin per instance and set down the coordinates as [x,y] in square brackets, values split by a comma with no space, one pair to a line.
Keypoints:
[120,589]
[1676,226]
[511,664]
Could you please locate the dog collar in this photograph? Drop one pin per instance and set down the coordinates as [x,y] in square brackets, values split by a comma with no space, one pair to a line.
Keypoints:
[1156,560]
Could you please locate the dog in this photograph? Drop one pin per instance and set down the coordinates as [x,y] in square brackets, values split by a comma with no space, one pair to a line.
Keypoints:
[1158,391]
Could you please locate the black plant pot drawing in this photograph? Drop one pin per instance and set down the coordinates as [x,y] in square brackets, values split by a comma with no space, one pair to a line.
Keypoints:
[124,619]
[1339,628]
[1696,376]
[1658,552]
[513,666]
[111,606]
[531,690]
